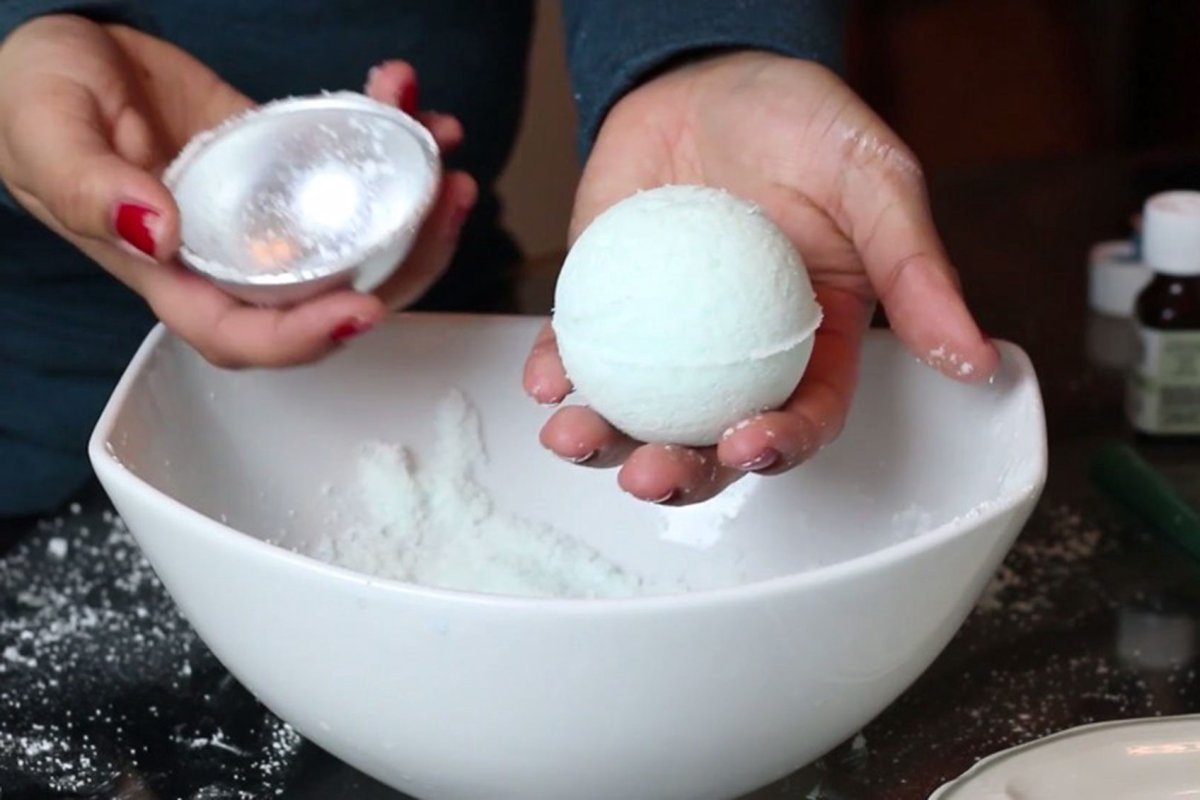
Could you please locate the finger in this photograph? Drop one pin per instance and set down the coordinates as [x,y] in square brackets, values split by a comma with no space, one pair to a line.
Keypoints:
[545,380]
[435,244]
[135,140]
[187,96]
[816,412]
[446,130]
[893,230]
[581,436]
[673,475]
[394,83]
[229,333]
[62,155]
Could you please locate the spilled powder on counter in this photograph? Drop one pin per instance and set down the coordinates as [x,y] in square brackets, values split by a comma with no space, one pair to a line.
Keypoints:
[1053,644]
[1040,564]
[427,519]
[103,682]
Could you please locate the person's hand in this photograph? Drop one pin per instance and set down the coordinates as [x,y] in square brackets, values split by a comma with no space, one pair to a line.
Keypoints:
[791,137]
[92,114]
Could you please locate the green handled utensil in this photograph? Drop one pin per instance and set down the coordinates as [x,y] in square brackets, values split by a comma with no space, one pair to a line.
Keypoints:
[1123,475]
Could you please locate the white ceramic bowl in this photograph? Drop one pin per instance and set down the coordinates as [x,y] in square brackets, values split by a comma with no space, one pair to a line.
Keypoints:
[455,696]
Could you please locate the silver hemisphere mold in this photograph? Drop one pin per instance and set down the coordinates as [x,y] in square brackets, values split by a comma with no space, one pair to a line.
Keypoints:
[303,195]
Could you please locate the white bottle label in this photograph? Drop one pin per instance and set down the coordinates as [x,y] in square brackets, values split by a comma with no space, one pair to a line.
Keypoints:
[1164,385]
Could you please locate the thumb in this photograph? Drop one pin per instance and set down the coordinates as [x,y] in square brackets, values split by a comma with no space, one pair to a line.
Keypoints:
[894,232]
[90,182]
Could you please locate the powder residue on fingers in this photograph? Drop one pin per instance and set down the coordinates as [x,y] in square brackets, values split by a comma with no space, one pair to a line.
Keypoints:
[943,359]
[866,148]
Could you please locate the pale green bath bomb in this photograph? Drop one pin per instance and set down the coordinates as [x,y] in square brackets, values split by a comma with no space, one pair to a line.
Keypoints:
[681,311]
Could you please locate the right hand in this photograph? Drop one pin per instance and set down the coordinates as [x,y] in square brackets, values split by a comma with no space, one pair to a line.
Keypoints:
[91,114]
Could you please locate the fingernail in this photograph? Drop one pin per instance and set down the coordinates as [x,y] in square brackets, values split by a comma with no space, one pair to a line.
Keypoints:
[407,98]
[583,459]
[539,394]
[767,458]
[135,223]
[371,73]
[348,330]
[666,498]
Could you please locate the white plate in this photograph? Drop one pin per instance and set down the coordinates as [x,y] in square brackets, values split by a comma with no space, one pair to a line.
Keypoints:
[1140,759]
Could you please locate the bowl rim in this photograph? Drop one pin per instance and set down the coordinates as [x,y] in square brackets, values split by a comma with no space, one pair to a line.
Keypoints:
[111,472]
[189,156]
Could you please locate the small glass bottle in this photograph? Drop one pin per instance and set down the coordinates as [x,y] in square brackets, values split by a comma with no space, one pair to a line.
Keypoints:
[1164,382]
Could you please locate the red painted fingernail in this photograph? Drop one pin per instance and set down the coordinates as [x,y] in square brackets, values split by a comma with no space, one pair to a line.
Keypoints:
[407,98]
[348,330]
[767,458]
[134,223]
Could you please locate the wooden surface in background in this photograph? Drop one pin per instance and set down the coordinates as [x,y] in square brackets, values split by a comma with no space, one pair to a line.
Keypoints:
[969,82]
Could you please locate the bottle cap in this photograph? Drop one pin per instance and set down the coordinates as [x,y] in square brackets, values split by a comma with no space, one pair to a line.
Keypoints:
[1116,276]
[1171,233]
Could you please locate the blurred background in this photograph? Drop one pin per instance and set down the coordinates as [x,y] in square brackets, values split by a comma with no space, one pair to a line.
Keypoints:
[969,84]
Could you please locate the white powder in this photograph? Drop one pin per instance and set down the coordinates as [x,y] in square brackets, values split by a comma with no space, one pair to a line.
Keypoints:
[98,671]
[867,149]
[1023,583]
[940,356]
[911,521]
[703,525]
[57,547]
[429,521]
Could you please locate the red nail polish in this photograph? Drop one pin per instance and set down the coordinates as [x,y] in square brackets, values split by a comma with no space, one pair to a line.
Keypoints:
[407,99]
[133,223]
[348,330]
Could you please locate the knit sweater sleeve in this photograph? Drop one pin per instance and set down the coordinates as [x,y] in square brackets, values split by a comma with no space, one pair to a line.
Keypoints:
[613,44]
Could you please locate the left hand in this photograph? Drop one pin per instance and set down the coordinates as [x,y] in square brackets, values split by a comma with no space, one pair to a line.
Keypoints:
[793,138]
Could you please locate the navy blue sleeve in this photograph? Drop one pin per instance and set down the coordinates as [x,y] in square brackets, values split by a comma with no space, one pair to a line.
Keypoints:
[613,44]
[15,13]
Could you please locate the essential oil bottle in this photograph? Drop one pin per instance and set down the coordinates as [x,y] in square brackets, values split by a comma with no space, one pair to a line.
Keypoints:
[1164,382]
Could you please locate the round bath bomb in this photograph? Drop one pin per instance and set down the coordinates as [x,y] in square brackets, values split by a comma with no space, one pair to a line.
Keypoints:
[681,311]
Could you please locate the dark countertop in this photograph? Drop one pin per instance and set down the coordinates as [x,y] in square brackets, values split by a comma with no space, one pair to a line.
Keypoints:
[105,693]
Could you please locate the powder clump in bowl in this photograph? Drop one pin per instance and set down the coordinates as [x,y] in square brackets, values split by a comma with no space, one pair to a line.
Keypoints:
[430,521]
